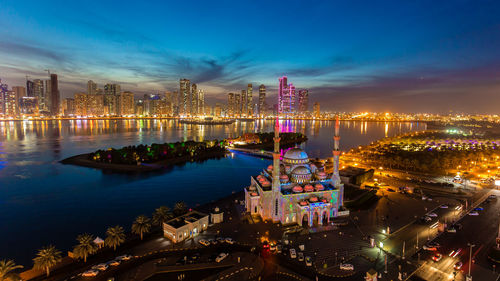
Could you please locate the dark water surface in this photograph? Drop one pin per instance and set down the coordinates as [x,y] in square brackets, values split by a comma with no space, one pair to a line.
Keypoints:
[43,202]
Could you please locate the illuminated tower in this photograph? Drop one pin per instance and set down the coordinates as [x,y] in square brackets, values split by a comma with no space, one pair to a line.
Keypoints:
[276,171]
[336,154]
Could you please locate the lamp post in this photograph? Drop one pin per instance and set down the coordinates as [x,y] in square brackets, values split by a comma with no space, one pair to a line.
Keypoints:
[469,277]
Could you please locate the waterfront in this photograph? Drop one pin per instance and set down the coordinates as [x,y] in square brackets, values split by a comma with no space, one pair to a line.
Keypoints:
[43,202]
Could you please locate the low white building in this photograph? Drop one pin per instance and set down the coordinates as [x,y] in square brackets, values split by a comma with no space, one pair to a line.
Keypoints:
[186,226]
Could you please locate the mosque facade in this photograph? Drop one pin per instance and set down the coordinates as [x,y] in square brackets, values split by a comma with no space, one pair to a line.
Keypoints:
[294,190]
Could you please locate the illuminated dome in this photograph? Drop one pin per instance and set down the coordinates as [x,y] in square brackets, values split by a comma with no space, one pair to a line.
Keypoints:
[283,178]
[297,189]
[301,174]
[313,199]
[269,168]
[321,175]
[308,188]
[319,187]
[301,171]
[296,156]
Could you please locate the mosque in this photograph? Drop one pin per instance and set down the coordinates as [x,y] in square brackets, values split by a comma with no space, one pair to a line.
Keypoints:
[293,190]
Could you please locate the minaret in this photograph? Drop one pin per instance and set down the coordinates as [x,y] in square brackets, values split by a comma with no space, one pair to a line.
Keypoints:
[276,185]
[336,154]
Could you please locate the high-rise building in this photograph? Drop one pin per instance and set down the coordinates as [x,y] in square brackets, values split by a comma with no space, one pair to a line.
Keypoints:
[286,96]
[20,92]
[237,105]
[126,103]
[54,95]
[28,106]
[201,102]
[30,91]
[249,108]
[10,104]
[4,88]
[303,100]
[80,104]
[243,103]
[194,100]
[262,100]
[91,87]
[111,94]
[41,95]
[95,104]
[316,110]
[68,106]
[218,110]
[184,92]
[230,104]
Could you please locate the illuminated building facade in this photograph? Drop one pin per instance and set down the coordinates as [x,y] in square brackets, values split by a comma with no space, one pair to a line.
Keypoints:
[293,190]
[193,109]
[286,96]
[55,97]
[316,110]
[127,103]
[262,100]
[230,104]
[185,88]
[249,108]
[303,101]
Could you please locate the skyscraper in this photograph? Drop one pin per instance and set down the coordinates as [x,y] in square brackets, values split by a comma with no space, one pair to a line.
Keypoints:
[20,92]
[286,96]
[80,104]
[185,87]
[201,102]
[4,88]
[55,102]
[303,100]
[127,103]
[91,87]
[243,103]
[194,100]
[249,107]
[316,110]
[262,99]
[237,105]
[30,88]
[230,104]
[110,99]
[68,106]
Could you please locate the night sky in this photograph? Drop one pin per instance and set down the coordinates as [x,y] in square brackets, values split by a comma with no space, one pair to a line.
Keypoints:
[398,56]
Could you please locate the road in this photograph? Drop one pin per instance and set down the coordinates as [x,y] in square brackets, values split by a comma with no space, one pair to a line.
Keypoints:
[479,230]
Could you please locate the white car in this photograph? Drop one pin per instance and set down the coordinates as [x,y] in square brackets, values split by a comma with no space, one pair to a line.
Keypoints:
[444,206]
[101,267]
[221,257]
[230,241]
[124,258]
[90,273]
[293,254]
[204,242]
[432,215]
[473,213]
[346,266]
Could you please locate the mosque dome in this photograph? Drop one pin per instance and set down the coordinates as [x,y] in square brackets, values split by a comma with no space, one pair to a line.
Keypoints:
[301,170]
[308,188]
[319,187]
[297,189]
[284,178]
[296,156]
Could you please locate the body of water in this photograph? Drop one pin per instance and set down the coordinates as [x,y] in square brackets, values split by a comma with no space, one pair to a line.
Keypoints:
[44,202]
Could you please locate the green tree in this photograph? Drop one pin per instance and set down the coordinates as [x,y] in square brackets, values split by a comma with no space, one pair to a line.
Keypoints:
[180,208]
[141,225]
[6,270]
[85,247]
[46,258]
[161,215]
[115,237]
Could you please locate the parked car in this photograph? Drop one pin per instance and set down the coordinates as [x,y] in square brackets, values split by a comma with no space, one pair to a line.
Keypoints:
[124,258]
[90,273]
[302,247]
[301,256]
[101,266]
[429,248]
[181,261]
[479,209]
[451,230]
[309,261]
[458,265]
[293,254]
[212,241]
[346,266]
[437,257]
[212,257]
[444,206]
[220,240]
[114,263]
[426,219]
[204,242]
[474,213]
[432,215]
[272,246]
[221,257]
[492,196]
[279,248]
[229,240]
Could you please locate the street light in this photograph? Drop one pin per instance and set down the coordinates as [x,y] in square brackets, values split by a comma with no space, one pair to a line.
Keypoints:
[469,277]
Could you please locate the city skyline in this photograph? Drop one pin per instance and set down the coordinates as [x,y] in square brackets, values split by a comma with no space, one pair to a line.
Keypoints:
[386,57]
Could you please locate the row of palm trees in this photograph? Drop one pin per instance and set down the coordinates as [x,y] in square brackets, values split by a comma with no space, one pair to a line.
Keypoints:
[49,256]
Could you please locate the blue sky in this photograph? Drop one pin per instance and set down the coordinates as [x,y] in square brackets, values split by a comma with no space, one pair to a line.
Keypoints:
[400,56]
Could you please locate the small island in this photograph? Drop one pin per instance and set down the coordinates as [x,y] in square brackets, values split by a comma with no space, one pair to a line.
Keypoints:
[144,158]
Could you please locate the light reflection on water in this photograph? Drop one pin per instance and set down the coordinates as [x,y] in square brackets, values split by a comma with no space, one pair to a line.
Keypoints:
[43,202]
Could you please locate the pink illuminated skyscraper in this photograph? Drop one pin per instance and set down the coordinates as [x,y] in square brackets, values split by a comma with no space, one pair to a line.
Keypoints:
[286,96]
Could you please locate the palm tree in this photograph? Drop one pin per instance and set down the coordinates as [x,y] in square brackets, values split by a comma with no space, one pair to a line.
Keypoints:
[180,208]
[115,236]
[161,215]
[6,268]
[46,258]
[86,246]
[141,225]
